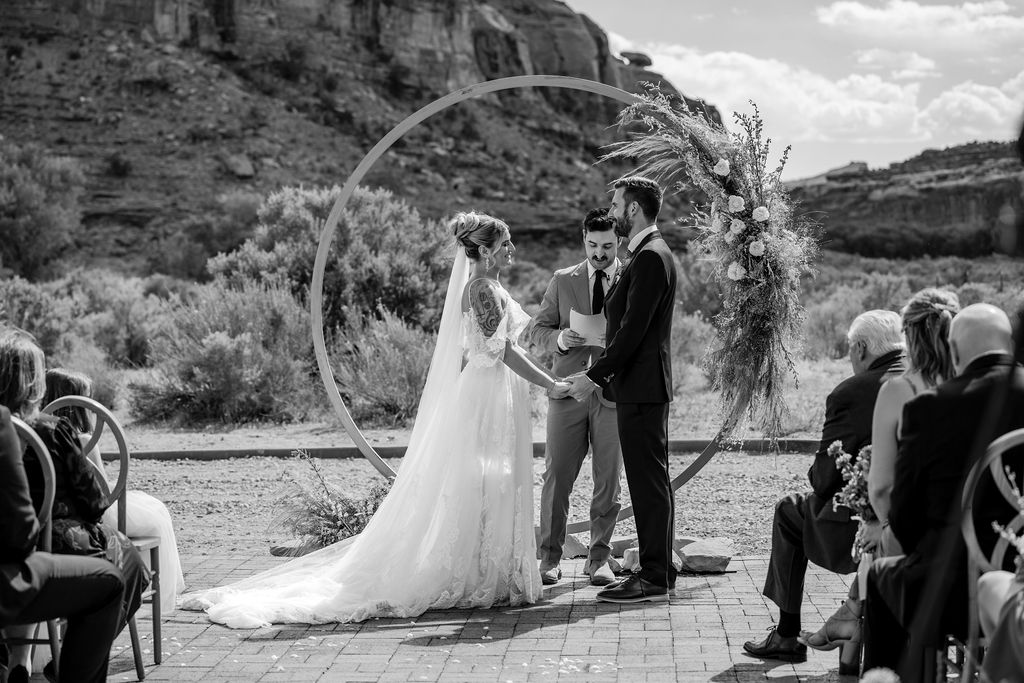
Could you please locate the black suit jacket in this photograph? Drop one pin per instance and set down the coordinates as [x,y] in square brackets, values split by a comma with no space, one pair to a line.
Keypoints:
[939,442]
[636,366]
[828,531]
[19,528]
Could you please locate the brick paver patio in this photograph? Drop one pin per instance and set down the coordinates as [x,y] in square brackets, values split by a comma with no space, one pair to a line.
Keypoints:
[568,636]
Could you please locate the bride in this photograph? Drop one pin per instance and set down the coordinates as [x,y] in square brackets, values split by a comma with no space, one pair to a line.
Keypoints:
[456,529]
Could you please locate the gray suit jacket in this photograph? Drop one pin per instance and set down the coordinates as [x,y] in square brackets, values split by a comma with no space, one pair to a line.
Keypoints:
[569,289]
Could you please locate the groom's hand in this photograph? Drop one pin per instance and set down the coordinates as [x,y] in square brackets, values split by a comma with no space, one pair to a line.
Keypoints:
[581,387]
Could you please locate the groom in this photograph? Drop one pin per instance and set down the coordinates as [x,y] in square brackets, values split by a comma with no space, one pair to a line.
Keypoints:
[635,371]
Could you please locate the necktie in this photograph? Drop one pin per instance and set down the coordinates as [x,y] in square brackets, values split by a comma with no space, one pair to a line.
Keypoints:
[598,300]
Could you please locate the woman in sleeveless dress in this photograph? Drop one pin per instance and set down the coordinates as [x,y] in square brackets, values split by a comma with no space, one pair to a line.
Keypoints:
[926,319]
[456,529]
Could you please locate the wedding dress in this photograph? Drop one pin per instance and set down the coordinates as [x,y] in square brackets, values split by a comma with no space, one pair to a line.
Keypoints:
[456,529]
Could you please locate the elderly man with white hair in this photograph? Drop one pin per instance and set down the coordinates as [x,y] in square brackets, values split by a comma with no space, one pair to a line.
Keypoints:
[806,526]
[913,600]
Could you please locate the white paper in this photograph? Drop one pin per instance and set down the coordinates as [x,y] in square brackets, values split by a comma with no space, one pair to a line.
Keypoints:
[590,327]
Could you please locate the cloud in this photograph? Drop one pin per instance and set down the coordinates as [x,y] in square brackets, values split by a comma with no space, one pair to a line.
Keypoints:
[968,26]
[903,65]
[971,111]
[798,104]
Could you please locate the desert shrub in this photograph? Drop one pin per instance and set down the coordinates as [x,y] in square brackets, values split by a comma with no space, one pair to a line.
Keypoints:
[86,357]
[49,318]
[828,322]
[1007,298]
[527,282]
[696,290]
[381,365]
[39,211]
[383,253]
[233,354]
[318,513]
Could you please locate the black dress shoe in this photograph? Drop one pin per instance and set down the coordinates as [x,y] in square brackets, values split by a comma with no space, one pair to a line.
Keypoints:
[17,674]
[777,647]
[633,589]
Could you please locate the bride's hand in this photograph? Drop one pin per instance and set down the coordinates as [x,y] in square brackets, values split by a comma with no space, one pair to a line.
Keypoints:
[559,389]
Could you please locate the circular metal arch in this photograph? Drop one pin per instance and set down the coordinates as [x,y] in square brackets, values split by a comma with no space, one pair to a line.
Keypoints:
[327,234]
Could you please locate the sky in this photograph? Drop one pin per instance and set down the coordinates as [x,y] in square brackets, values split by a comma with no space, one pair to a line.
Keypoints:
[852,80]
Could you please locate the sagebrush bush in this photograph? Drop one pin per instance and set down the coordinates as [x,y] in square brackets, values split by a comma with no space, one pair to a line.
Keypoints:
[381,365]
[39,212]
[692,334]
[49,318]
[232,354]
[383,253]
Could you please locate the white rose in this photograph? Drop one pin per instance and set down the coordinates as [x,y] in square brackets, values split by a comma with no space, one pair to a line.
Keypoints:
[761,214]
[716,224]
[722,168]
[736,271]
[736,203]
[756,248]
[737,226]
[730,238]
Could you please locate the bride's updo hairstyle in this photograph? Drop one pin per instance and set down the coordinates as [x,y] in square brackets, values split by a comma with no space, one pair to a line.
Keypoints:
[926,320]
[473,230]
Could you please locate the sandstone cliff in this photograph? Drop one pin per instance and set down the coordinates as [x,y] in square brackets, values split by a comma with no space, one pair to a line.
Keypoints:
[171,105]
[966,200]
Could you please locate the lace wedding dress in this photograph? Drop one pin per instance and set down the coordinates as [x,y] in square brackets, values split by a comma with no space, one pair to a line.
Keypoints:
[456,529]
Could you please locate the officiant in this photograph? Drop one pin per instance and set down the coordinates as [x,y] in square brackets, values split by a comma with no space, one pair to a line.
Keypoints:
[573,296]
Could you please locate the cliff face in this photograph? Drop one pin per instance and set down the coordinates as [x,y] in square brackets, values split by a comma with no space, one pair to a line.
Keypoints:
[966,200]
[172,105]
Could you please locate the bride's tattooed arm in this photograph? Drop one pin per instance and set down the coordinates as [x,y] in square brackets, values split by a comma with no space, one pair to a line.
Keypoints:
[488,306]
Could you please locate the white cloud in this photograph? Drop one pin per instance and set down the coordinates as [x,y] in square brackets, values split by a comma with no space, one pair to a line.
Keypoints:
[902,65]
[970,111]
[971,26]
[797,104]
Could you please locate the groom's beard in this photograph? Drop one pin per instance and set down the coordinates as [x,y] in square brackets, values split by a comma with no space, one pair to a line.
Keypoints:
[622,226]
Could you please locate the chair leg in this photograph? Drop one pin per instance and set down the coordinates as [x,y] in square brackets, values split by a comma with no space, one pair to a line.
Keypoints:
[158,645]
[133,629]
[53,631]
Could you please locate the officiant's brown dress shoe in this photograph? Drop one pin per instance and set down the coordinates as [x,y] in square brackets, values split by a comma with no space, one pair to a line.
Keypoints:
[550,577]
[601,575]
[633,589]
[777,647]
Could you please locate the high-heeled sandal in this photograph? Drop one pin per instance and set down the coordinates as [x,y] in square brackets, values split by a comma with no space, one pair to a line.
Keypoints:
[838,629]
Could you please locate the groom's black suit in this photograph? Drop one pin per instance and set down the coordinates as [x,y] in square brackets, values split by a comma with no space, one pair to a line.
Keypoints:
[635,371]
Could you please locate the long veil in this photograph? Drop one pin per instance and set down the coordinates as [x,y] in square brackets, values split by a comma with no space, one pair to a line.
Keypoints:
[351,579]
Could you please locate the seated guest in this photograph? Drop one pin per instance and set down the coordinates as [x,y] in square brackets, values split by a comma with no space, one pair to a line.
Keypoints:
[926,319]
[1001,610]
[37,586]
[145,515]
[806,527]
[915,599]
[79,501]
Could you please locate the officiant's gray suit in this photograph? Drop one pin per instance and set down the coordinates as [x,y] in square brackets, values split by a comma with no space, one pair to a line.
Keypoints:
[574,427]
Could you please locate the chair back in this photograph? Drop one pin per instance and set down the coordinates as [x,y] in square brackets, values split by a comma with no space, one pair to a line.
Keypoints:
[977,561]
[102,417]
[45,512]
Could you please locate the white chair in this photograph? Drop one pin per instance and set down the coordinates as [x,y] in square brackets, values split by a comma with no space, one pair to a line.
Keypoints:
[45,543]
[119,493]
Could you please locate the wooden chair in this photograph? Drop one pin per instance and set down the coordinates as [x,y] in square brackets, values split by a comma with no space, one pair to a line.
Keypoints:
[43,514]
[119,493]
[977,562]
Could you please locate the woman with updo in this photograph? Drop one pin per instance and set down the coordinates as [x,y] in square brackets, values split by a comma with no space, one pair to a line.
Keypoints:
[926,320]
[456,529]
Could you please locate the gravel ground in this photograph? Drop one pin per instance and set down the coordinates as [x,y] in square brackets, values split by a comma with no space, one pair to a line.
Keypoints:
[230,504]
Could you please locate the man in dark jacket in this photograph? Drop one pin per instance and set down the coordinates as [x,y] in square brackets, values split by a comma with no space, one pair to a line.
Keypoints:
[806,526]
[916,598]
[38,586]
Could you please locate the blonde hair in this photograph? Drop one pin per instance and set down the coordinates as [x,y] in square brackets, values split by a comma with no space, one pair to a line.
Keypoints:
[878,329]
[22,373]
[926,320]
[473,231]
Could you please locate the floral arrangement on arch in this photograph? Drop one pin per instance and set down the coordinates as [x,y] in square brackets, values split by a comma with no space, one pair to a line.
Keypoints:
[748,231]
[854,494]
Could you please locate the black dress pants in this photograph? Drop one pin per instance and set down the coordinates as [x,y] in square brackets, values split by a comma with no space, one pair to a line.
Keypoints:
[643,436]
[87,592]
